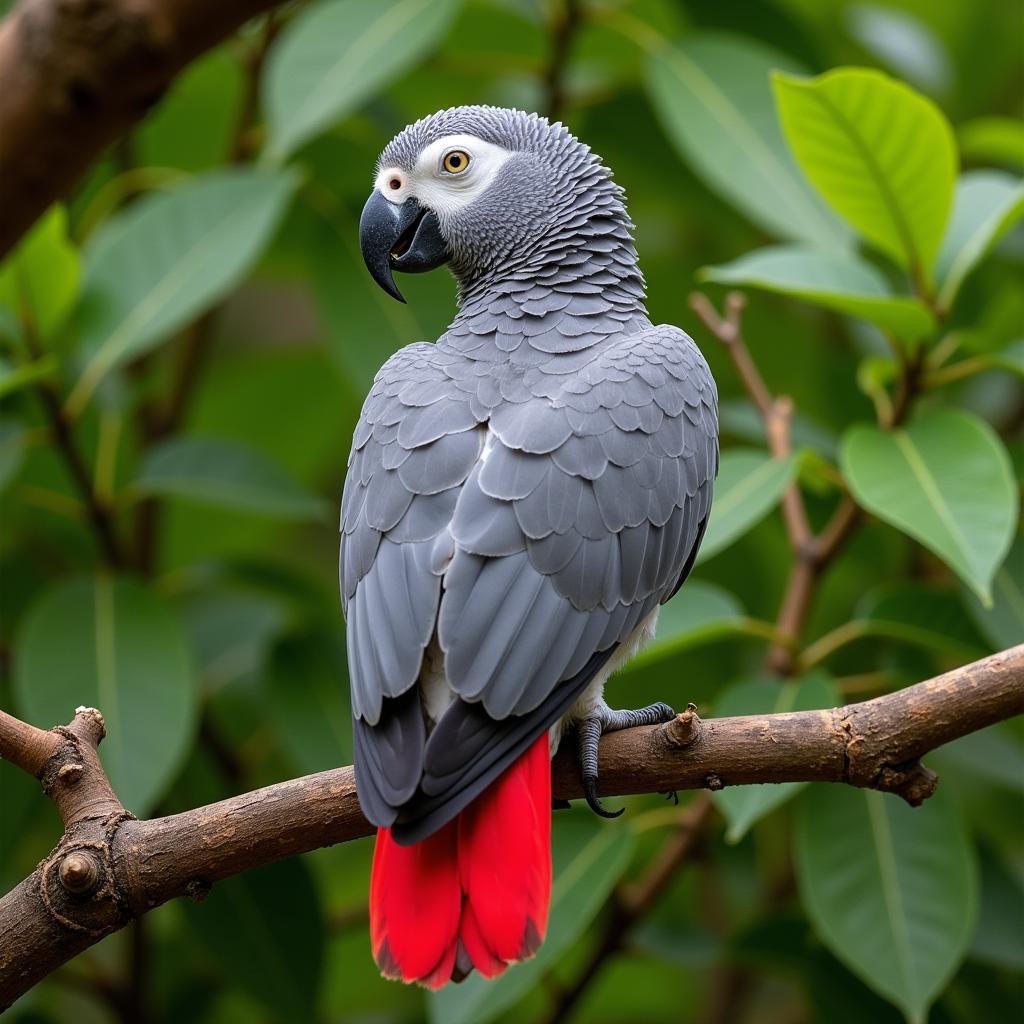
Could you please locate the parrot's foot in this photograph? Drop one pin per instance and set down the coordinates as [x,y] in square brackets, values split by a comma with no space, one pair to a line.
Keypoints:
[593,727]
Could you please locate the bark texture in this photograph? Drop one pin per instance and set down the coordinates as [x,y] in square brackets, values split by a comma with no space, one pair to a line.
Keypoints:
[77,74]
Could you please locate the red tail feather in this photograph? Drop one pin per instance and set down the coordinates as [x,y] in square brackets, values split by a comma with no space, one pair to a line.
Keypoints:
[482,883]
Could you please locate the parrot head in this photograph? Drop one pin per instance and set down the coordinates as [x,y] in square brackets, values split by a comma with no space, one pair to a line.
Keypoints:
[483,190]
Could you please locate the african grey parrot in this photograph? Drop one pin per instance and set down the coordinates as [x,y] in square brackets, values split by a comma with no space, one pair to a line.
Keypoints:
[522,496]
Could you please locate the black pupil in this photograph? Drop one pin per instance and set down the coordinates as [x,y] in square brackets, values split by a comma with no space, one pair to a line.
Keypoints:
[455,161]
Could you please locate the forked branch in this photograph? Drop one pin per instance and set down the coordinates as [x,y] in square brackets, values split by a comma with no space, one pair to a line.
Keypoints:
[109,867]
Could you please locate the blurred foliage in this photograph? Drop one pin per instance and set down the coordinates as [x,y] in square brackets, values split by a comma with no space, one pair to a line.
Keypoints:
[184,349]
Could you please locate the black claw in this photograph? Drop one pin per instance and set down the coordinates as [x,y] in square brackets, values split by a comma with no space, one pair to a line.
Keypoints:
[671,794]
[594,801]
[560,805]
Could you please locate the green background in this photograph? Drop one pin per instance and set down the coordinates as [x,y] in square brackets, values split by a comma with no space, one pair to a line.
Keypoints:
[200,309]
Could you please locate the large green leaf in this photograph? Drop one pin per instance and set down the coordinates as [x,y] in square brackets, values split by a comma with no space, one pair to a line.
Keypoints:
[880,153]
[835,280]
[987,205]
[333,57]
[742,806]
[749,485]
[307,694]
[39,279]
[112,644]
[699,613]
[996,140]
[1003,622]
[265,930]
[890,889]
[922,615]
[993,755]
[945,480]
[588,861]
[231,630]
[167,258]
[216,471]
[713,96]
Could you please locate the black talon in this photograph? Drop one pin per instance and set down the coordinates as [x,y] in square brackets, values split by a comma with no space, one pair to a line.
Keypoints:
[671,794]
[594,801]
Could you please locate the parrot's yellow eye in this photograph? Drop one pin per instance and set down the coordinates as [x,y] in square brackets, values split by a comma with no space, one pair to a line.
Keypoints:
[455,161]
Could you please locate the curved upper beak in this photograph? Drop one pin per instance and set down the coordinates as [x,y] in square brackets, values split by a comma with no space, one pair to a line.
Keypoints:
[399,236]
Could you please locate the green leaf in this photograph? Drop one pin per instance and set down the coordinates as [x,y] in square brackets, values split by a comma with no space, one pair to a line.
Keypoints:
[231,630]
[1003,622]
[169,257]
[749,485]
[13,444]
[742,806]
[699,613]
[987,205]
[39,280]
[880,153]
[946,481]
[334,56]
[890,889]
[917,614]
[996,140]
[216,471]
[993,755]
[307,687]
[111,643]
[1011,358]
[713,96]
[265,930]
[999,938]
[836,280]
[14,378]
[588,861]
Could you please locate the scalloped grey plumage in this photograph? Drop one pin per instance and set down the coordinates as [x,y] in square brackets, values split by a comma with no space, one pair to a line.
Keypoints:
[526,490]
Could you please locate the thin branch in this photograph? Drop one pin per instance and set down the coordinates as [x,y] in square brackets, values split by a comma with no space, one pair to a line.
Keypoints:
[75,75]
[25,746]
[97,510]
[110,868]
[567,24]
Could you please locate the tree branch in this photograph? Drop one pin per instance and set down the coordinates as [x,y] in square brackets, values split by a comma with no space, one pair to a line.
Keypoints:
[811,553]
[110,868]
[567,23]
[77,74]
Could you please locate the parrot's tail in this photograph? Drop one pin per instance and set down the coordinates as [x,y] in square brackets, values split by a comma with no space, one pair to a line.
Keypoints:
[476,892]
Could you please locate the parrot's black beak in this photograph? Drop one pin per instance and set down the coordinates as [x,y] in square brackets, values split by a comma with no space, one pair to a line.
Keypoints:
[399,236]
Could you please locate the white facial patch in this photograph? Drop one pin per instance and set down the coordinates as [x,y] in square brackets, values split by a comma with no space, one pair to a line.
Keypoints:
[440,190]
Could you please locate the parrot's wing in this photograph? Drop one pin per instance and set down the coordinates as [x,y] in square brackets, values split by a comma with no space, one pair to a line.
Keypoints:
[414,446]
[580,515]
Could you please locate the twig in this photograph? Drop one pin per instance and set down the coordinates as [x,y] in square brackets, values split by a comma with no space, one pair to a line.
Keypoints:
[97,510]
[567,24]
[811,554]
[109,868]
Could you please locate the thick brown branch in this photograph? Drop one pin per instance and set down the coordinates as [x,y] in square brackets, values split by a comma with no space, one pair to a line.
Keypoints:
[77,74]
[109,868]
